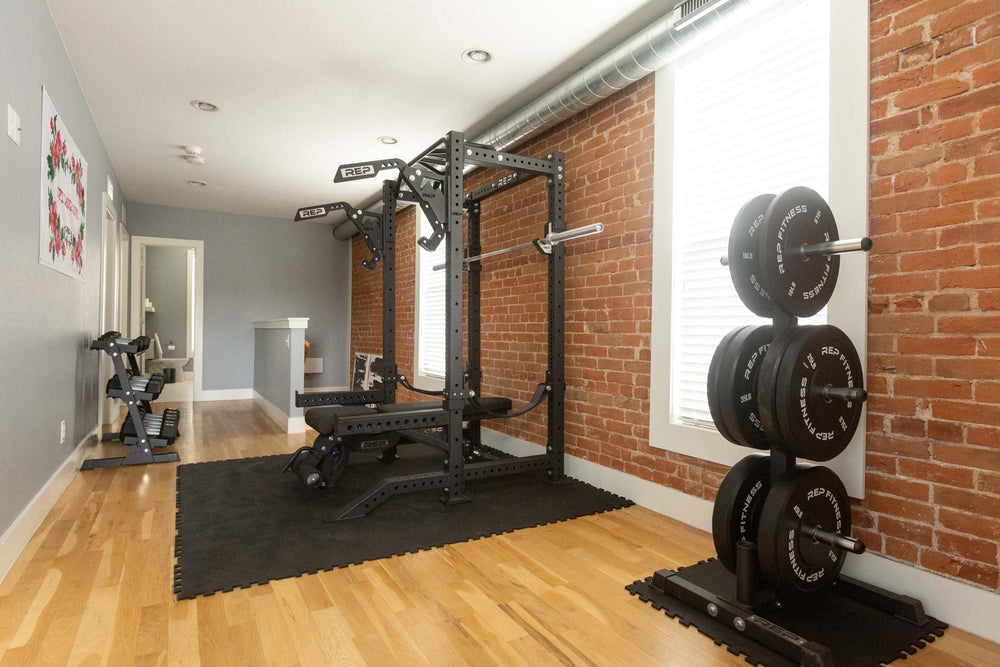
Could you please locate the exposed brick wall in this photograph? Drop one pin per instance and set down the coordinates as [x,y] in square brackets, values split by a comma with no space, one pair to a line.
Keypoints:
[933,476]
[933,469]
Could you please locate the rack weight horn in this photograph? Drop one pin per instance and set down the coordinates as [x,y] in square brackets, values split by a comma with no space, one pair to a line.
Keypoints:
[784,252]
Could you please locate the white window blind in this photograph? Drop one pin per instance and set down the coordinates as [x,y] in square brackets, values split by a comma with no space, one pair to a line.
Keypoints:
[430,306]
[751,115]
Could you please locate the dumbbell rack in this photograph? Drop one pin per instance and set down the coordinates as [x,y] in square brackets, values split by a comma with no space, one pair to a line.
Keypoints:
[731,599]
[142,429]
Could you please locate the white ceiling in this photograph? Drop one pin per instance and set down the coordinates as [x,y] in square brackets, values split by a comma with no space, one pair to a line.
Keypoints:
[306,85]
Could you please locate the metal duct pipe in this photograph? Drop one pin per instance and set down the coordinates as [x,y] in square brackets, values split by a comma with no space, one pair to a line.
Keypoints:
[689,24]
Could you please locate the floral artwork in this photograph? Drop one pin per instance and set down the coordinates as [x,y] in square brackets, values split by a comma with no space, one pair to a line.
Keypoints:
[64,196]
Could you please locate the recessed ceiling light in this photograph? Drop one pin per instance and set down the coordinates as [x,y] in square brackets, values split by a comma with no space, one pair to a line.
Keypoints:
[477,56]
[386,139]
[199,184]
[201,105]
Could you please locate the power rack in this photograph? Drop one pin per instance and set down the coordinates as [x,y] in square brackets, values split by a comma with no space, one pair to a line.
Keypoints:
[434,181]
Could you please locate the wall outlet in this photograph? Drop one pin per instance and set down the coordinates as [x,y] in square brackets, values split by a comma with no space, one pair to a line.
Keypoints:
[13,125]
[62,431]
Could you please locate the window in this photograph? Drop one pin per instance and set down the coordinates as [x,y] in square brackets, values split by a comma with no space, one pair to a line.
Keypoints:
[429,353]
[747,120]
[778,101]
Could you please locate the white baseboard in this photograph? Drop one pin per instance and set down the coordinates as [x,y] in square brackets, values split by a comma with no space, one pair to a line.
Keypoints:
[959,604]
[286,422]
[669,502]
[16,537]
[224,395]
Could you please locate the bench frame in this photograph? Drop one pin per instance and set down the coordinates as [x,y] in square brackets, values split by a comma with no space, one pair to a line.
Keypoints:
[441,195]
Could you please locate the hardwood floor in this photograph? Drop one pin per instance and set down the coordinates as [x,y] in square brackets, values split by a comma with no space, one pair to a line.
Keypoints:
[94,586]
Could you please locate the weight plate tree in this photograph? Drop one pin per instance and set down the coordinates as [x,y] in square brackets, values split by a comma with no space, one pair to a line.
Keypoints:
[743,259]
[739,369]
[736,513]
[800,284]
[717,385]
[819,389]
[800,535]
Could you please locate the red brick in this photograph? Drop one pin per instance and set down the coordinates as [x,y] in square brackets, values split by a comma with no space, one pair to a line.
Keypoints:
[899,549]
[971,323]
[948,173]
[981,189]
[908,323]
[907,426]
[970,457]
[964,14]
[938,259]
[917,449]
[897,41]
[954,301]
[935,472]
[970,524]
[918,157]
[945,431]
[977,573]
[937,345]
[972,233]
[931,92]
[989,300]
[919,11]
[973,369]
[968,548]
[905,530]
[900,508]
[987,436]
[898,486]
[937,217]
[933,388]
[975,278]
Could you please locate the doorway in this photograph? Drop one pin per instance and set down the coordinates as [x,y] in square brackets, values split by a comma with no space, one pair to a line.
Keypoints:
[166,301]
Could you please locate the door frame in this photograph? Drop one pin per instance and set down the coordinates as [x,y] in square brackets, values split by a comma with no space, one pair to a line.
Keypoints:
[109,217]
[135,295]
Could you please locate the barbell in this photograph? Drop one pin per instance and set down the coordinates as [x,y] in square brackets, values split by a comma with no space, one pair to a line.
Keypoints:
[543,245]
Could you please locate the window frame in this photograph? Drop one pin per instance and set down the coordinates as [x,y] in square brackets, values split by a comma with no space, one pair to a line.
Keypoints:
[421,380]
[848,197]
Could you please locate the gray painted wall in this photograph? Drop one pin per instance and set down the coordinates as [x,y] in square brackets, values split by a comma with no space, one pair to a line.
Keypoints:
[261,269]
[166,287]
[48,319]
[277,374]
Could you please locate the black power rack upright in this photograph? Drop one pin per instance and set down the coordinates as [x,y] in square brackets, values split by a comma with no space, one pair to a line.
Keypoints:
[434,181]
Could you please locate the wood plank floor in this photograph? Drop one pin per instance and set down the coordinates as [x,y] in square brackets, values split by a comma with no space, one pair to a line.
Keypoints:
[93,586]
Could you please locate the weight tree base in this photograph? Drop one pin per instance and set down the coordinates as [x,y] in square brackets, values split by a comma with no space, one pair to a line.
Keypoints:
[851,624]
[119,461]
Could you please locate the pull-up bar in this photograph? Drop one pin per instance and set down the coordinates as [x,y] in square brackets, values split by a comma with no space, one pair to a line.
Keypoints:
[542,245]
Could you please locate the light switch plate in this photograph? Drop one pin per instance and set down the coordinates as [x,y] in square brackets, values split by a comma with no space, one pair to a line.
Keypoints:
[13,125]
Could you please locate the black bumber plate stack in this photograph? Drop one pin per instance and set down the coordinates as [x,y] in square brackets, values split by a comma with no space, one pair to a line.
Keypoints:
[736,513]
[790,560]
[800,286]
[809,424]
[738,372]
[717,385]
[744,253]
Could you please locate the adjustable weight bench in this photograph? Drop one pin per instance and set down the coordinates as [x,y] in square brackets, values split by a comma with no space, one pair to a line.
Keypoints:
[351,428]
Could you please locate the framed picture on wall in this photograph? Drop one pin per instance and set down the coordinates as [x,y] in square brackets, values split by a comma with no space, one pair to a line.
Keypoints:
[63,196]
